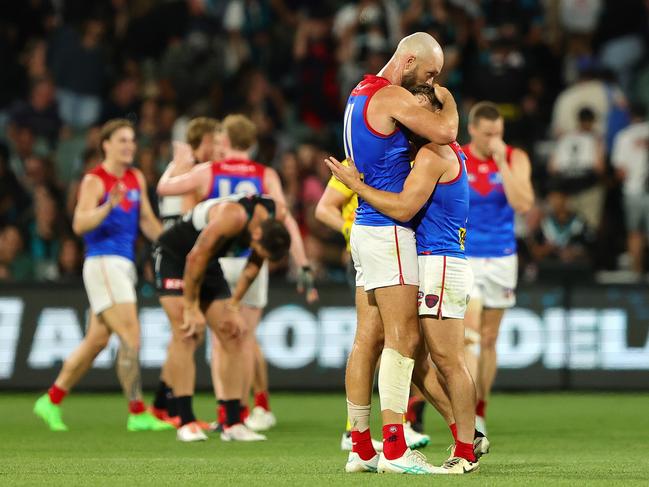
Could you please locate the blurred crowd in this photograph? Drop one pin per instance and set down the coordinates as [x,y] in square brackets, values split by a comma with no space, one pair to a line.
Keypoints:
[571,78]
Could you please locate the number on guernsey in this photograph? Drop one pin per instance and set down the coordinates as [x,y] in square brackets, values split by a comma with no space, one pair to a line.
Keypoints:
[225,187]
[347,126]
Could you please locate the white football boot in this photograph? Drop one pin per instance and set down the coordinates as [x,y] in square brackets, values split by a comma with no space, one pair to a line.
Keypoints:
[260,419]
[481,446]
[355,464]
[239,432]
[414,440]
[459,466]
[411,462]
[190,432]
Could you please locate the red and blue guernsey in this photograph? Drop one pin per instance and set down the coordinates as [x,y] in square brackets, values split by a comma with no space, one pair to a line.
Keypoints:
[441,222]
[383,160]
[236,176]
[116,235]
[491,219]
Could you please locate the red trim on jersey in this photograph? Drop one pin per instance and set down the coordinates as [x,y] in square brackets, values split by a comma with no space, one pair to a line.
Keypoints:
[368,87]
[472,157]
[128,179]
[456,147]
[396,241]
[441,294]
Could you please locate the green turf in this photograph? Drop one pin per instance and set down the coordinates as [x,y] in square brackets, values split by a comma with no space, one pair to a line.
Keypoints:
[551,439]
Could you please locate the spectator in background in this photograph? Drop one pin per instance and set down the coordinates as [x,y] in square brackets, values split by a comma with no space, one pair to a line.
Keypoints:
[45,232]
[79,67]
[577,167]
[70,260]
[14,200]
[563,237]
[39,112]
[123,101]
[14,264]
[631,162]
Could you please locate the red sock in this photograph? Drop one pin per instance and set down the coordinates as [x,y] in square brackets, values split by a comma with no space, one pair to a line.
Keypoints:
[362,444]
[464,450]
[244,413]
[453,428]
[411,414]
[56,394]
[136,407]
[261,400]
[220,414]
[481,408]
[394,443]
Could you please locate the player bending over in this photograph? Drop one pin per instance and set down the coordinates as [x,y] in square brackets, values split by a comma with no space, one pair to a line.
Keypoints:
[191,285]
[238,173]
[112,205]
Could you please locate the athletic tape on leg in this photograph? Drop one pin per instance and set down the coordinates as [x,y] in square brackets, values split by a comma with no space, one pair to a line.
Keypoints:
[395,375]
[358,417]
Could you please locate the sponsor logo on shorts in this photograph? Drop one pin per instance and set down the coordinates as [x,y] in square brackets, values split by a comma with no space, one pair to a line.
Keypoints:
[172,284]
[393,429]
[508,292]
[432,300]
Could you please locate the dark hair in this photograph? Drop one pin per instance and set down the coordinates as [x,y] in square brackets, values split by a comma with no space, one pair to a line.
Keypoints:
[275,239]
[484,109]
[429,92]
[200,127]
[586,115]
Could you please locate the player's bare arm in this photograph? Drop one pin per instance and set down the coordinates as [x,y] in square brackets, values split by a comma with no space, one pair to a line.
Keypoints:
[88,214]
[429,167]
[149,223]
[226,220]
[517,181]
[273,186]
[195,180]
[393,104]
[329,209]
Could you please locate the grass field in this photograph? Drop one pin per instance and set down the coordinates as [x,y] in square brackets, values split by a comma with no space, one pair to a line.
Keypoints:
[551,439]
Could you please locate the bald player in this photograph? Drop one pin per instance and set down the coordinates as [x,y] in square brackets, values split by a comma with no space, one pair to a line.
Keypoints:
[384,249]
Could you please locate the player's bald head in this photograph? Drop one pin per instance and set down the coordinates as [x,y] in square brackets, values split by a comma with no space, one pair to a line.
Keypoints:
[421,59]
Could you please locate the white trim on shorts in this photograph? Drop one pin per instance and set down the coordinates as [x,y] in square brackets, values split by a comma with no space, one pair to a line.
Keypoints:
[257,294]
[109,280]
[384,256]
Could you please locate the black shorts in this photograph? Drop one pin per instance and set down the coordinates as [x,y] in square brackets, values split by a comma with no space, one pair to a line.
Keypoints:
[169,271]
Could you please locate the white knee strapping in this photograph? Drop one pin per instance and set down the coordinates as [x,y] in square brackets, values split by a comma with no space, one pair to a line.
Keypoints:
[395,375]
[358,416]
[472,341]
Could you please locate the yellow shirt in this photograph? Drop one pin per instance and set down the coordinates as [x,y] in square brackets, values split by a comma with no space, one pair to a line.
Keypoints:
[349,210]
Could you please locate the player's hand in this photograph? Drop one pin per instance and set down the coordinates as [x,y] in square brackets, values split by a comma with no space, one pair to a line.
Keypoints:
[348,175]
[193,322]
[498,149]
[442,94]
[233,324]
[183,156]
[116,194]
[306,284]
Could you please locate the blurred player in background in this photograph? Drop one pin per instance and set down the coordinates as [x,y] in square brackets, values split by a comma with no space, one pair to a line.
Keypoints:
[499,186]
[202,136]
[112,205]
[237,173]
[193,290]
